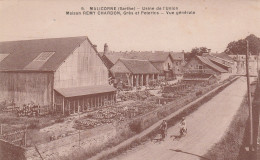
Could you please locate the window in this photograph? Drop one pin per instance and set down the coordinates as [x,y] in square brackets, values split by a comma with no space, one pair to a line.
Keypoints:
[3,55]
[200,67]
[39,61]
[44,56]
[169,66]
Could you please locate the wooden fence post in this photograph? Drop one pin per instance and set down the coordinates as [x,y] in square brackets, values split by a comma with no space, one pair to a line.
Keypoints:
[1,128]
[25,140]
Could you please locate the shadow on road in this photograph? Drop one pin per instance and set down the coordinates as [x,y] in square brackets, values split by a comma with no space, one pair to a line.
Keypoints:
[178,150]
[176,137]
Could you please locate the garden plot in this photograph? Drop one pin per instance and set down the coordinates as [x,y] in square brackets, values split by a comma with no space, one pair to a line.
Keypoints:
[113,115]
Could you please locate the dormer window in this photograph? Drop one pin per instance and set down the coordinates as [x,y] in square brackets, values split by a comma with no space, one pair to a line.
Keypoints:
[44,56]
[3,56]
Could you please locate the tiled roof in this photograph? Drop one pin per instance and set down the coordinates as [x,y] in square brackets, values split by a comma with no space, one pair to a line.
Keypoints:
[87,90]
[206,61]
[23,53]
[139,66]
[223,55]
[152,57]
[107,62]
[177,55]
[217,61]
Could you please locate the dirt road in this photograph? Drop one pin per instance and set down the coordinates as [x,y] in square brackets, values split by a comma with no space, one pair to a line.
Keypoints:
[206,126]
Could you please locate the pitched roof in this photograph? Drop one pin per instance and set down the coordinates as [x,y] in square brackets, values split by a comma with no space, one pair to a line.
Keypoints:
[107,61]
[86,90]
[223,55]
[177,55]
[206,61]
[152,57]
[23,53]
[217,62]
[139,66]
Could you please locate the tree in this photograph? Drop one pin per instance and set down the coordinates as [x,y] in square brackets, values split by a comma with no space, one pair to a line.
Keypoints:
[198,51]
[240,46]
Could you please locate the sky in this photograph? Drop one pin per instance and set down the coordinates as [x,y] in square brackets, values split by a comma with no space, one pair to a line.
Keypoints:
[214,24]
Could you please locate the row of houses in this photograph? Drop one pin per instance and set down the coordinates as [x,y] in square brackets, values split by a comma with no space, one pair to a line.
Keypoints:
[139,68]
[123,66]
[70,75]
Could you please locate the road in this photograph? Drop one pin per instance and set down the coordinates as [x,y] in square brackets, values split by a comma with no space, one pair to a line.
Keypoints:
[205,126]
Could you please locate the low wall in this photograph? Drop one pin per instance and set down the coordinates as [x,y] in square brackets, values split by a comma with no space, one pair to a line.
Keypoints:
[90,142]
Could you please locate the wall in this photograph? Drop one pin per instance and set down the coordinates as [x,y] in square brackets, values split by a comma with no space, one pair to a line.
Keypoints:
[177,67]
[165,64]
[82,68]
[224,76]
[24,87]
[194,63]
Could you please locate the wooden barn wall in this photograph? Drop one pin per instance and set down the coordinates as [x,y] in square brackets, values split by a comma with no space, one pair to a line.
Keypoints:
[82,68]
[25,87]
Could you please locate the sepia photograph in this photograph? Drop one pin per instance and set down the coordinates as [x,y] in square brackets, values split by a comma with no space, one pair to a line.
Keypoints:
[129,80]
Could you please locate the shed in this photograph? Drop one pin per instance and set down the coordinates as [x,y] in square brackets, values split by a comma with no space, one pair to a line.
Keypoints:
[35,69]
[134,72]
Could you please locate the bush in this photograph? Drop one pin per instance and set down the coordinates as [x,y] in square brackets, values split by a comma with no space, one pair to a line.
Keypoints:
[135,126]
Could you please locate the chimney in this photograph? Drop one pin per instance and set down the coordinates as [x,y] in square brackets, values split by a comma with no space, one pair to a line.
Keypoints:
[209,50]
[106,48]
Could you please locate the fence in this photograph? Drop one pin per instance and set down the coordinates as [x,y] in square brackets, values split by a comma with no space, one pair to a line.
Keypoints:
[28,110]
[16,137]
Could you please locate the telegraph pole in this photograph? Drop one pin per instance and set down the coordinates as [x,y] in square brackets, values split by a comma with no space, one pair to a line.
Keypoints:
[79,127]
[249,100]
[257,74]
